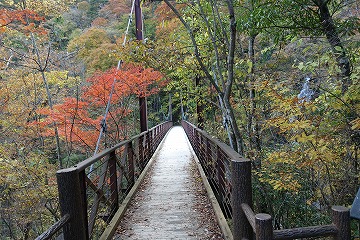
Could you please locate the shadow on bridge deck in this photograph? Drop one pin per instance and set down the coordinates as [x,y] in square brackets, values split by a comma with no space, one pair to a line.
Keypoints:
[171,202]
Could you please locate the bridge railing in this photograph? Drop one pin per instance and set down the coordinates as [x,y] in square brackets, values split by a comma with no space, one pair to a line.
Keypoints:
[91,191]
[229,175]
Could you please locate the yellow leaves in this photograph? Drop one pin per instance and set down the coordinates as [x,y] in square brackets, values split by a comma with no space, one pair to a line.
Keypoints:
[2,29]
[250,66]
[322,147]
[320,155]
[289,124]
[3,23]
[355,124]
[280,181]
[49,7]
[301,66]
[303,138]
[286,183]
[84,6]
[280,171]
[95,48]
[280,157]
[61,79]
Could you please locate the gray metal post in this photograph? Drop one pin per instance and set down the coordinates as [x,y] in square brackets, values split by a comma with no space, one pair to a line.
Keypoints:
[114,196]
[73,202]
[241,193]
[131,166]
[141,152]
[147,147]
[220,175]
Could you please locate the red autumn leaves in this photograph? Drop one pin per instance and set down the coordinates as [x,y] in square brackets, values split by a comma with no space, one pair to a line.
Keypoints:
[131,79]
[78,119]
[27,20]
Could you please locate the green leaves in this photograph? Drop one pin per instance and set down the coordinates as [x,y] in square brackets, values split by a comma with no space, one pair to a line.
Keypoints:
[95,48]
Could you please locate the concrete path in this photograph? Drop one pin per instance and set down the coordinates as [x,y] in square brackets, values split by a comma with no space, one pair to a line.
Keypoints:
[171,202]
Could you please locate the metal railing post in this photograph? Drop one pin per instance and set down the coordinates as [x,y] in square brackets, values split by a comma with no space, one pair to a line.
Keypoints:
[241,193]
[141,152]
[197,143]
[201,149]
[341,219]
[208,150]
[114,196]
[131,166]
[207,153]
[263,227]
[73,202]
[221,177]
[147,146]
[151,143]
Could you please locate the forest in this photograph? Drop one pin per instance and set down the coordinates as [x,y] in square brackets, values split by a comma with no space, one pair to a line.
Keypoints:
[278,81]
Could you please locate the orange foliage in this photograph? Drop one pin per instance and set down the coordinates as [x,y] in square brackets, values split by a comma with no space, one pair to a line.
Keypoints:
[116,8]
[131,79]
[167,28]
[73,122]
[28,19]
[99,22]
[168,21]
[164,13]
[100,85]
[142,82]
[78,121]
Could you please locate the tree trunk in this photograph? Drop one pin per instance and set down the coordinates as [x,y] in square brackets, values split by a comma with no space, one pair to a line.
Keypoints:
[224,93]
[252,125]
[199,108]
[333,38]
[343,62]
[228,85]
[42,70]
[226,124]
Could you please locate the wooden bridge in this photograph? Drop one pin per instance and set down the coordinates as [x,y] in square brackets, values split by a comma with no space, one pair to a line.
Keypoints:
[143,188]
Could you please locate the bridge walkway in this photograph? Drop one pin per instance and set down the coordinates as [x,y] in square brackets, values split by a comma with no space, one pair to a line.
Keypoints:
[171,202]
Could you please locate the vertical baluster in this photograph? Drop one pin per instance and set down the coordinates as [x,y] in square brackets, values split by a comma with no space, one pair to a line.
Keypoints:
[155,140]
[147,147]
[131,165]
[221,177]
[151,142]
[199,147]
[207,160]
[208,150]
[196,143]
[193,135]
[212,169]
[114,196]
[141,152]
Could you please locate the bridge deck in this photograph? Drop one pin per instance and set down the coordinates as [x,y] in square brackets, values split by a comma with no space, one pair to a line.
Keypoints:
[172,202]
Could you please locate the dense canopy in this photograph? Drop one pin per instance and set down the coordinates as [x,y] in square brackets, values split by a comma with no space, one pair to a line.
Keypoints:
[276,80]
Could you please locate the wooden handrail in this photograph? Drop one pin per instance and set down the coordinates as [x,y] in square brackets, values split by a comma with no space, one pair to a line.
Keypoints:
[226,148]
[245,221]
[54,228]
[214,156]
[250,215]
[306,232]
[91,160]
[82,194]
[237,179]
